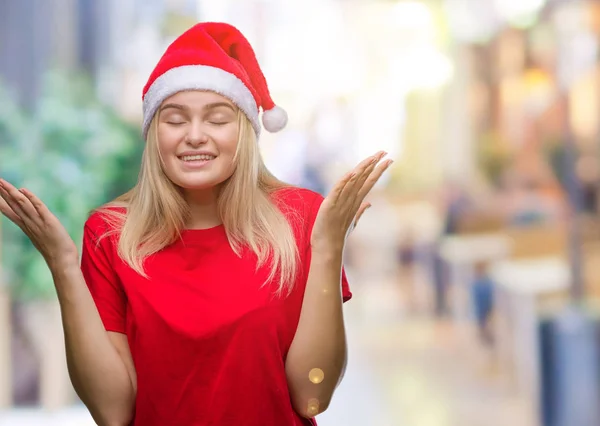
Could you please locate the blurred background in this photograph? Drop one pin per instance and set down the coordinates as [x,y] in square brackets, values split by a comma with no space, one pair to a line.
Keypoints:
[476,272]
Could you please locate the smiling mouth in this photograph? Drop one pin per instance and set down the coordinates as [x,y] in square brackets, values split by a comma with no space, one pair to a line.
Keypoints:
[197,158]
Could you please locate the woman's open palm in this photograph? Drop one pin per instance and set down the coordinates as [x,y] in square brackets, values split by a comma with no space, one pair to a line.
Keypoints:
[344,205]
[44,230]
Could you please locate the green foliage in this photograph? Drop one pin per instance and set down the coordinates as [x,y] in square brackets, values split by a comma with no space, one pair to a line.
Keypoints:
[75,154]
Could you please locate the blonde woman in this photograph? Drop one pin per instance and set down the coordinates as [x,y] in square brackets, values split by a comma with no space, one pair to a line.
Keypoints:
[211,293]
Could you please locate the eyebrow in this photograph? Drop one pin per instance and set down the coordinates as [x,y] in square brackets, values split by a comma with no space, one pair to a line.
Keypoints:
[206,107]
[175,106]
[217,105]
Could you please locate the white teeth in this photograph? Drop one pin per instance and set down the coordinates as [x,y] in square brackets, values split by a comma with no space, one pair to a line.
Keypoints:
[202,157]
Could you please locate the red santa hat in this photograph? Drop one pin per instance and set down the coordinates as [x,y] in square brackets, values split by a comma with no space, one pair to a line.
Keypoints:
[215,57]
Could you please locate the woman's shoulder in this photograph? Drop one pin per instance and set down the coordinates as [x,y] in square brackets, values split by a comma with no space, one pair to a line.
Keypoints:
[298,198]
[300,205]
[105,218]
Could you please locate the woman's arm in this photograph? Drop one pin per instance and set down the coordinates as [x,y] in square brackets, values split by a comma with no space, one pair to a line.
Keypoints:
[317,357]
[99,362]
[102,373]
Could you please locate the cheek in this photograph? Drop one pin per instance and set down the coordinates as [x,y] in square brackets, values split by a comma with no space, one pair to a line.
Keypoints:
[228,152]
[167,143]
[167,147]
[228,142]
[229,149]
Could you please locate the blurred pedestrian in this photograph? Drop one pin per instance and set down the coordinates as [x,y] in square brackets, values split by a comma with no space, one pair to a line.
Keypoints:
[482,295]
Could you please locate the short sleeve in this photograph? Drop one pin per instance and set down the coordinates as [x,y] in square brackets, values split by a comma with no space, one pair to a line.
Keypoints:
[346,293]
[314,209]
[102,281]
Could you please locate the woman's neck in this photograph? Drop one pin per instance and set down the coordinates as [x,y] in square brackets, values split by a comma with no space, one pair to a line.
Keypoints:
[204,211]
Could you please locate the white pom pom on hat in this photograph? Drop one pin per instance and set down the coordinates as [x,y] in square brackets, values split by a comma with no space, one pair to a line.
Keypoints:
[216,57]
[274,119]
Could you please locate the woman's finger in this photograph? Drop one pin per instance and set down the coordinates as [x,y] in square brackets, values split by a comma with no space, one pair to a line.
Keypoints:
[363,208]
[364,175]
[346,189]
[356,218]
[355,175]
[7,211]
[20,203]
[373,178]
[37,204]
[336,191]
[14,206]
[360,174]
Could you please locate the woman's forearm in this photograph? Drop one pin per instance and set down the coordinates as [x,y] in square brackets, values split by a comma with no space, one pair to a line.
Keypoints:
[317,357]
[97,371]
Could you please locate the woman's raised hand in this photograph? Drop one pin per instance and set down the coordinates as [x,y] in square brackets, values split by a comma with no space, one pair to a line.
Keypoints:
[344,205]
[44,230]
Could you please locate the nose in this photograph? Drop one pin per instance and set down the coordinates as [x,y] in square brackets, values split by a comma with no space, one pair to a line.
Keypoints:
[196,135]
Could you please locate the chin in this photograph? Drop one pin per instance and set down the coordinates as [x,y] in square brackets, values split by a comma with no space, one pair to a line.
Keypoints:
[199,185]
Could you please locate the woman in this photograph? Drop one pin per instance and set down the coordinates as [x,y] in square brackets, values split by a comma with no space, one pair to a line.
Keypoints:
[211,293]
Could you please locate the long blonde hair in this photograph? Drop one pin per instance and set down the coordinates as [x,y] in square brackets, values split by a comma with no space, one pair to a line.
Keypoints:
[156,212]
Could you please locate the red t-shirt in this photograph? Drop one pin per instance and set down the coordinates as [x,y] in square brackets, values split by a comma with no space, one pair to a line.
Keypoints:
[208,340]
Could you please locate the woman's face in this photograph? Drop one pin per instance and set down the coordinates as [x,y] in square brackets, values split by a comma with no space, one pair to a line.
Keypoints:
[197,139]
